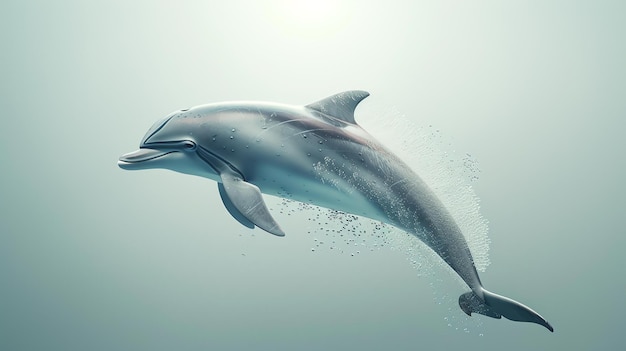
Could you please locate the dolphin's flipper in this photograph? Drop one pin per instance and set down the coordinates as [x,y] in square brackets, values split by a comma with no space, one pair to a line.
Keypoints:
[496,306]
[232,209]
[340,105]
[245,202]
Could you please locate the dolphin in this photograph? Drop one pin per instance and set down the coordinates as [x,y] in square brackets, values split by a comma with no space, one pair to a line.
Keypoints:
[316,154]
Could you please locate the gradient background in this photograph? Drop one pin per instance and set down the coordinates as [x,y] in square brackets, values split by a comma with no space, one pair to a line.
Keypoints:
[95,258]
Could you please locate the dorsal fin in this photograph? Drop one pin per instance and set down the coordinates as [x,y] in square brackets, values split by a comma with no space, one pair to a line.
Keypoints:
[340,105]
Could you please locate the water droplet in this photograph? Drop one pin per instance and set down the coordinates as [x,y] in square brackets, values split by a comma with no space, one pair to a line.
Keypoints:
[308,154]
[232,150]
[232,130]
[304,136]
[313,249]
[232,137]
[321,142]
[213,138]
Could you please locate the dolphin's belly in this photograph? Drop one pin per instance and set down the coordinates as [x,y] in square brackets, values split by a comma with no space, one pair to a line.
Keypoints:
[309,187]
[339,175]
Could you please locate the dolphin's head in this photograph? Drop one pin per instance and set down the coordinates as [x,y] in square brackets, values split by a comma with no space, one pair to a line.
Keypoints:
[169,144]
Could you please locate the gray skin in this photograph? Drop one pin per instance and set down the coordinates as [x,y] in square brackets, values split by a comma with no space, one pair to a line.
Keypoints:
[315,154]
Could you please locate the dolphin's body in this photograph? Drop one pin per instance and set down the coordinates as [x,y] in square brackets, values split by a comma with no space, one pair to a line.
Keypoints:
[316,154]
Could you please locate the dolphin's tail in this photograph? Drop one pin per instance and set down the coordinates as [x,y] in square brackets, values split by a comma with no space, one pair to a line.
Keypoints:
[496,306]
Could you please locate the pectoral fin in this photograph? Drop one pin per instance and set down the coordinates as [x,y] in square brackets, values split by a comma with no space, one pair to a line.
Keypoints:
[232,209]
[245,202]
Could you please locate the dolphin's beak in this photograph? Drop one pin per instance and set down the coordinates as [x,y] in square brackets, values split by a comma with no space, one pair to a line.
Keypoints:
[134,159]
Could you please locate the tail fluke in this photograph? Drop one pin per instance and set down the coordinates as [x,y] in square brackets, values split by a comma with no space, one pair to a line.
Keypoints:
[496,306]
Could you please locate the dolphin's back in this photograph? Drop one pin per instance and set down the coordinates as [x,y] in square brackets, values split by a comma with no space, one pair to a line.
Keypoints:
[310,157]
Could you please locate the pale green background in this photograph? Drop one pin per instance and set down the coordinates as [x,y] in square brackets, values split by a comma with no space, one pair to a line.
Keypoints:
[96,258]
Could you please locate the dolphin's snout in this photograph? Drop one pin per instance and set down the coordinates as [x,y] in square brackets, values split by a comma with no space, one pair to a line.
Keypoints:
[131,159]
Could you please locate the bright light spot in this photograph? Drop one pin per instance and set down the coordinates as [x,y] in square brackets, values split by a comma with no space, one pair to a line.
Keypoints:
[311,12]
[311,18]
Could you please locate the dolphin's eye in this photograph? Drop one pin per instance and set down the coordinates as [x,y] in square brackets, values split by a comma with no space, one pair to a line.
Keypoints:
[189,145]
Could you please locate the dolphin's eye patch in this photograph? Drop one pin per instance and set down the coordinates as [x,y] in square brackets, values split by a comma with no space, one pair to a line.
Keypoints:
[189,145]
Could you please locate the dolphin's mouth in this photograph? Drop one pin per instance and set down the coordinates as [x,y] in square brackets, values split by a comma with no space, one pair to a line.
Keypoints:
[141,155]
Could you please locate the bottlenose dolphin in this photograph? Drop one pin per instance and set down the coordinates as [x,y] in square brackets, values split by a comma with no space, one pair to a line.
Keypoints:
[316,154]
